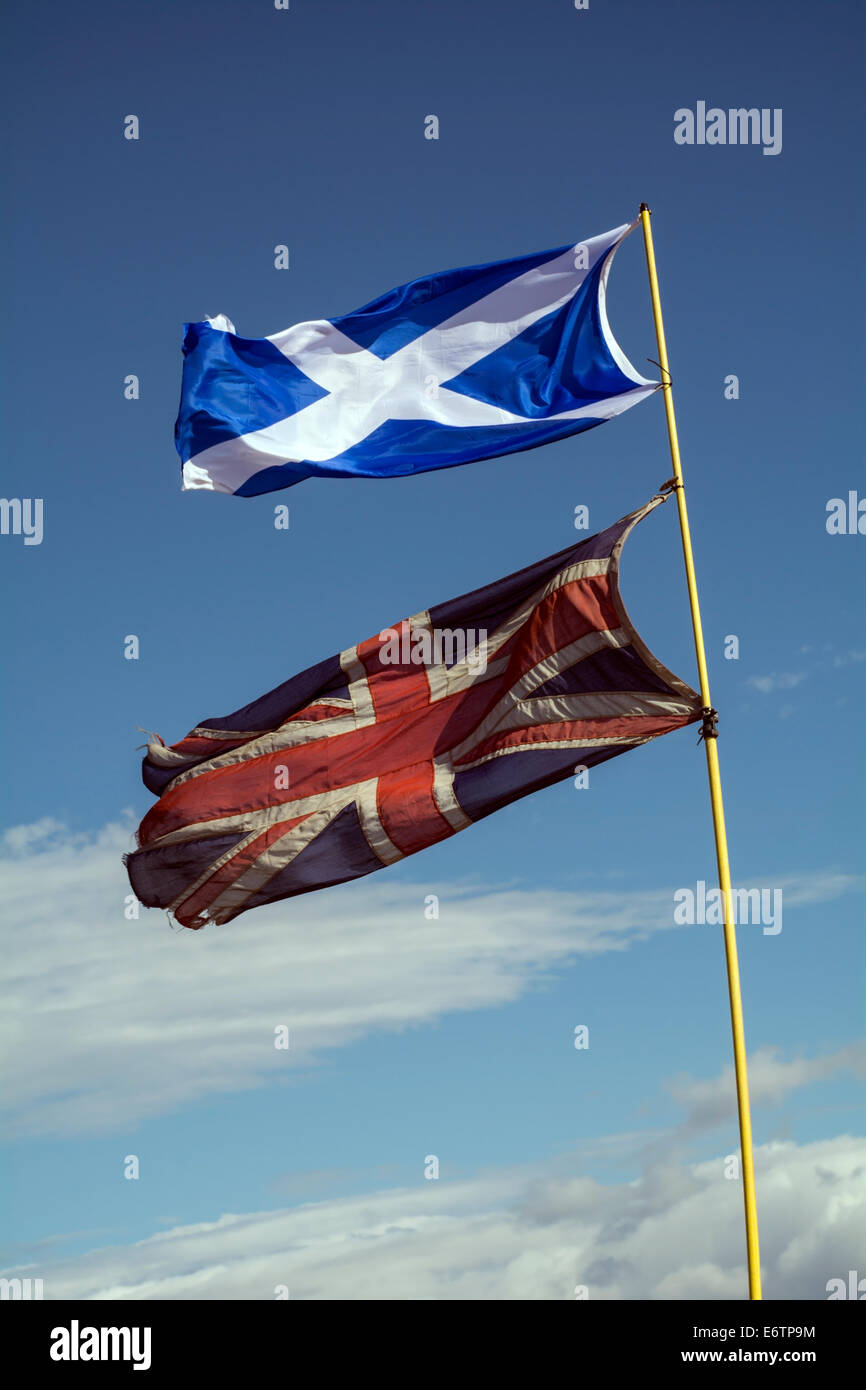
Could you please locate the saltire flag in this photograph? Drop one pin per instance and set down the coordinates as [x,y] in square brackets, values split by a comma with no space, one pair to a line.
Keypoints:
[462,365]
[405,739]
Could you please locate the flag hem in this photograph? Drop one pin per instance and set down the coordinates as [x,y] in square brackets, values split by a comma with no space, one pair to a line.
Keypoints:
[634,636]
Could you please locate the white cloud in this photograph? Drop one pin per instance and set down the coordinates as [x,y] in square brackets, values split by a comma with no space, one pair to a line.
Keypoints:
[785,681]
[676,1233]
[23,839]
[808,889]
[712,1102]
[116,1020]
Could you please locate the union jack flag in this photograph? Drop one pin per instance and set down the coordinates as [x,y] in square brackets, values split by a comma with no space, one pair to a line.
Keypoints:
[364,758]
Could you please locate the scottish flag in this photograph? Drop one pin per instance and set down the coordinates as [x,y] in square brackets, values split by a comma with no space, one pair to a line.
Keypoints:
[467,364]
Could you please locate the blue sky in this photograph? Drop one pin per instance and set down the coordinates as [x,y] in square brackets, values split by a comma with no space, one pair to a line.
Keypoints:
[306,128]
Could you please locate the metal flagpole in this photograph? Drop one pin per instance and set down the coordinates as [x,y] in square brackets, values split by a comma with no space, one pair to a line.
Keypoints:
[709,740]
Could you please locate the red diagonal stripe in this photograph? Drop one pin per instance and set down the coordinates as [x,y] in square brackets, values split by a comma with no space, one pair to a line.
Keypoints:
[620,727]
[200,901]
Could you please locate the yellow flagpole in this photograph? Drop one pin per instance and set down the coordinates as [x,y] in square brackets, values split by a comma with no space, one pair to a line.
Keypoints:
[710,745]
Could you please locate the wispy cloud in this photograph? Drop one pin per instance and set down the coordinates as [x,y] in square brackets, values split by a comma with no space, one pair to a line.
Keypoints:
[788,680]
[710,1103]
[785,681]
[116,1020]
[120,1019]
